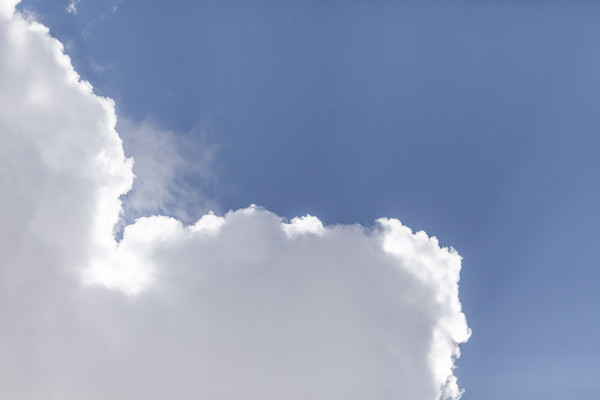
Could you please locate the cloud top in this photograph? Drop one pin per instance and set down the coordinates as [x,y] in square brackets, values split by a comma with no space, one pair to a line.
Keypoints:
[241,306]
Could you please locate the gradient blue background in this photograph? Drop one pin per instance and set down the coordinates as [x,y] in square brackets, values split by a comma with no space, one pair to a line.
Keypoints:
[478,122]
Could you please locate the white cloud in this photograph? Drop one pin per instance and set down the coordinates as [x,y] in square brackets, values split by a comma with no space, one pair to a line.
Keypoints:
[165,164]
[243,306]
[72,7]
[303,225]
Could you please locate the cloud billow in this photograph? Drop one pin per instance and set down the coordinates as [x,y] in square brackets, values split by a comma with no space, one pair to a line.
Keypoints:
[241,306]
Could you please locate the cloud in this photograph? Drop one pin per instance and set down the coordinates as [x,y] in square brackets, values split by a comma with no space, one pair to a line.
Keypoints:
[303,225]
[72,7]
[174,172]
[239,306]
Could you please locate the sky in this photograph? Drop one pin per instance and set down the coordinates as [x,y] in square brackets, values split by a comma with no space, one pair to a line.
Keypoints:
[475,122]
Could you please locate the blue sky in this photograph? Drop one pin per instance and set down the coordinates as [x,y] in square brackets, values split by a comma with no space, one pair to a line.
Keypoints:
[476,122]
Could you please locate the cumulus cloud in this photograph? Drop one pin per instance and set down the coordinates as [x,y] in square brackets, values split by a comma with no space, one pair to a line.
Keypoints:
[240,306]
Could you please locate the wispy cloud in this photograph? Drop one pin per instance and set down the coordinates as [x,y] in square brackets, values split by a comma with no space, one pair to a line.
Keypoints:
[72,7]
[174,171]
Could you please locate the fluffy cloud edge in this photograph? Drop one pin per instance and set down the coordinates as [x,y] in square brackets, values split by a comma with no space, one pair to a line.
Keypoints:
[132,270]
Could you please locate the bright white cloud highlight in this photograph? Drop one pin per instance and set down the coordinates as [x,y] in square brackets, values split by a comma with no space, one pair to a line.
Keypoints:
[303,225]
[242,306]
